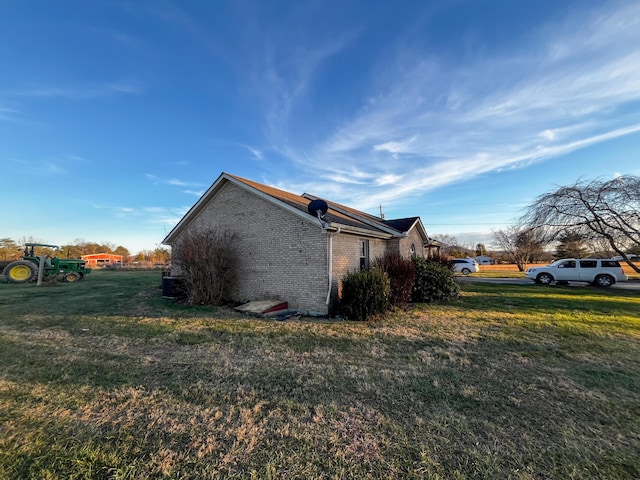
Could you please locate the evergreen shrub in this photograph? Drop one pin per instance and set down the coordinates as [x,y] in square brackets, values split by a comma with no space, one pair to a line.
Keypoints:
[365,294]
[434,282]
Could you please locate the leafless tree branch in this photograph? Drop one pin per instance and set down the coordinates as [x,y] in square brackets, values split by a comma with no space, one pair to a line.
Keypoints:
[596,210]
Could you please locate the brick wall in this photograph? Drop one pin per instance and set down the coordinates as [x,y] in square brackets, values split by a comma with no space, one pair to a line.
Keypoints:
[281,255]
[412,238]
[346,254]
[284,256]
[346,257]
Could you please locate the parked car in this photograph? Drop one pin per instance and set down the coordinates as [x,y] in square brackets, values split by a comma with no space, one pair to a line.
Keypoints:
[464,265]
[602,272]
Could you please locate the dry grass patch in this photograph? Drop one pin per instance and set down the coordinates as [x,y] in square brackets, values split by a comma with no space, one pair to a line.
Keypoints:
[507,382]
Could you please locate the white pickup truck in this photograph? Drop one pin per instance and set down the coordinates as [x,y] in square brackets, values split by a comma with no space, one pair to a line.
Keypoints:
[602,272]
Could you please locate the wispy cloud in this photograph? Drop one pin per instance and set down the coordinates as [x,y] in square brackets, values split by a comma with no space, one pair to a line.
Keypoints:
[122,212]
[53,169]
[285,81]
[255,152]
[9,114]
[191,188]
[427,122]
[146,215]
[75,158]
[173,14]
[82,91]
[196,193]
[130,42]
[49,165]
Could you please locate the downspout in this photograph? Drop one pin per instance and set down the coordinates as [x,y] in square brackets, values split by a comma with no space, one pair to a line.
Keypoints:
[325,227]
[331,235]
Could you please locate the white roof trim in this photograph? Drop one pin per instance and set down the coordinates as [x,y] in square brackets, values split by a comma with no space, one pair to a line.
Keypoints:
[383,232]
[364,220]
[363,232]
[421,228]
[211,192]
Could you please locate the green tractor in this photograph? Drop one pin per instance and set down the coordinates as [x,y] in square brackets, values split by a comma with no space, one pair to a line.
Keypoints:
[26,270]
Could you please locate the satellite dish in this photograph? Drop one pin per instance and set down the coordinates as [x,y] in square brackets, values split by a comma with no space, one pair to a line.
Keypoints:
[317,208]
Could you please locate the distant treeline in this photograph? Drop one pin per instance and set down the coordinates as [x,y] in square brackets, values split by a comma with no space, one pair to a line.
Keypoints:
[11,249]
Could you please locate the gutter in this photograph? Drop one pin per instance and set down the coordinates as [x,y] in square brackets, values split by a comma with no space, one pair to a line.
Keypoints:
[360,231]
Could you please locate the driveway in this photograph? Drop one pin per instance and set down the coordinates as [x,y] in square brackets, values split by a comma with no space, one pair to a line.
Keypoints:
[632,285]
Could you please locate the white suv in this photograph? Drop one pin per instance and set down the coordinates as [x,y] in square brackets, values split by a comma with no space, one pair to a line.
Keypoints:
[464,265]
[602,272]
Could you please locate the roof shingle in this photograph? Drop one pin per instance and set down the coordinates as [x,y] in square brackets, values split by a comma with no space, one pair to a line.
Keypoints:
[344,216]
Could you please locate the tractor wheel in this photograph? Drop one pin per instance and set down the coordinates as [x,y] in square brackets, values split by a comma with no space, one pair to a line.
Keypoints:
[20,271]
[72,277]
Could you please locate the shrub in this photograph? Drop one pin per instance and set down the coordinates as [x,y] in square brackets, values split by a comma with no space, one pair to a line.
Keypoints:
[207,263]
[401,272]
[434,282]
[365,294]
[443,260]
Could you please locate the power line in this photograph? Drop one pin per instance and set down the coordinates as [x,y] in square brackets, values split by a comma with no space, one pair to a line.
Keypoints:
[464,224]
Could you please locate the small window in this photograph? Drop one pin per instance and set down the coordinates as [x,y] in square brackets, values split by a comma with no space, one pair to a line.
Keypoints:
[568,264]
[588,263]
[364,255]
[412,250]
[610,263]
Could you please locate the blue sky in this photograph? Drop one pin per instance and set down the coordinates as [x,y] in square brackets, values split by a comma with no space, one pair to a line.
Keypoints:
[115,116]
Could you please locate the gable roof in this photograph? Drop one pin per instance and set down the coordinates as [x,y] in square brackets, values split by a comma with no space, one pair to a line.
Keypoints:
[402,224]
[365,218]
[337,216]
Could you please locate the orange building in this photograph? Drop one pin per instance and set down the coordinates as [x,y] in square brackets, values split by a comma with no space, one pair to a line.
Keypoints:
[102,260]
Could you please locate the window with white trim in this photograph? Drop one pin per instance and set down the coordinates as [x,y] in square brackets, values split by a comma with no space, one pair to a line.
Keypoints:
[364,255]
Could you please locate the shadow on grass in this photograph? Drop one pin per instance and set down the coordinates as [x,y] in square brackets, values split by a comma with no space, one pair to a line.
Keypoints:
[549,299]
[104,378]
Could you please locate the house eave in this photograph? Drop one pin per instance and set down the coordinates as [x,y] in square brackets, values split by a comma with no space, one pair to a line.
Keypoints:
[420,226]
[392,232]
[377,231]
[211,192]
[363,232]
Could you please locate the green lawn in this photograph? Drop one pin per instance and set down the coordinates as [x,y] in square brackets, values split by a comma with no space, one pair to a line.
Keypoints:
[105,379]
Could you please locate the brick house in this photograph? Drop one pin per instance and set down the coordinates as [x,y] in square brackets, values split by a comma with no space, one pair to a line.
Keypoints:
[288,253]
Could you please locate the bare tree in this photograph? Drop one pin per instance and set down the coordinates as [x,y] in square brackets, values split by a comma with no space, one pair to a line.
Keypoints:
[207,263]
[9,249]
[521,243]
[599,247]
[596,209]
[446,239]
